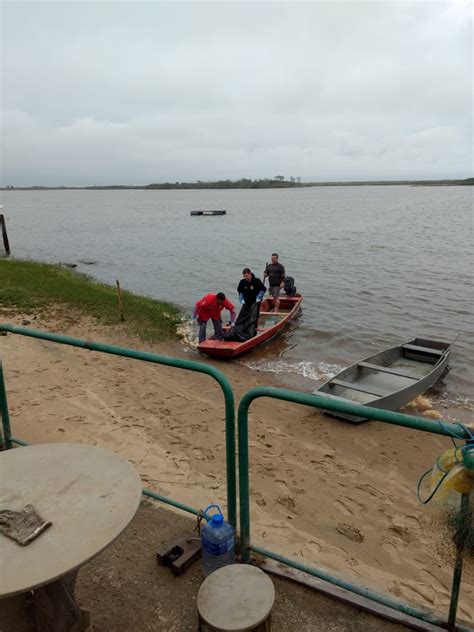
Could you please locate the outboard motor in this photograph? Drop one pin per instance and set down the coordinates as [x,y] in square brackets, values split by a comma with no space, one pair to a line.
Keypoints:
[289,287]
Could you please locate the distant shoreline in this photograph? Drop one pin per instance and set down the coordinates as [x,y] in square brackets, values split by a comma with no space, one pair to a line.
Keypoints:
[245,184]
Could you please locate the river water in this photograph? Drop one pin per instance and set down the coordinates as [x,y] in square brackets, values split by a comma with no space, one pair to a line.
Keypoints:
[377,264]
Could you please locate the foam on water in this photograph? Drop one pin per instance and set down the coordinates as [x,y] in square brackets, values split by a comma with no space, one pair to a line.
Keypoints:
[316,371]
[460,402]
[322,371]
[187,331]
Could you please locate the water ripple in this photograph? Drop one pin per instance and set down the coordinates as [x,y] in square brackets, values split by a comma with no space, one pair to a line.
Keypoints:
[377,265]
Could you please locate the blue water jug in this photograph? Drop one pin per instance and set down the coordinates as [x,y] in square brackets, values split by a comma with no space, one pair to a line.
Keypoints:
[217,541]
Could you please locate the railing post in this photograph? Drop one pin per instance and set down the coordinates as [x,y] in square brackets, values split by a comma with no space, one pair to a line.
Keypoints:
[244,485]
[6,429]
[461,537]
[231,463]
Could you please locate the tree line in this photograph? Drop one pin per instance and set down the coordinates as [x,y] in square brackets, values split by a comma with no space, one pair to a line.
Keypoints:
[247,183]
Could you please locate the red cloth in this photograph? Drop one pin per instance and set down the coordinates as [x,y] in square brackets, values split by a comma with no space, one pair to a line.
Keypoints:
[208,307]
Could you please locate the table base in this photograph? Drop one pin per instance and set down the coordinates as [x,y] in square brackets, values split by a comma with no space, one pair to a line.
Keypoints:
[50,608]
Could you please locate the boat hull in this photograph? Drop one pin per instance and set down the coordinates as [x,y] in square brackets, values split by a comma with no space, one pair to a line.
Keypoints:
[272,323]
[389,379]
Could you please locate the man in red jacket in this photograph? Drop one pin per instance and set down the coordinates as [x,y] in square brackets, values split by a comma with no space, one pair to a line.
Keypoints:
[210,307]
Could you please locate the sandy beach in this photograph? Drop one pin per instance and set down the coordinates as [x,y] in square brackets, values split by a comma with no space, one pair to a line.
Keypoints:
[338,496]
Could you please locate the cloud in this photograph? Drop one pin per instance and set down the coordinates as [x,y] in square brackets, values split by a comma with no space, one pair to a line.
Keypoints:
[100,93]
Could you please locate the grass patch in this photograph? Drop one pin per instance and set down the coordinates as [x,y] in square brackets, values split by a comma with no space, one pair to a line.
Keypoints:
[27,286]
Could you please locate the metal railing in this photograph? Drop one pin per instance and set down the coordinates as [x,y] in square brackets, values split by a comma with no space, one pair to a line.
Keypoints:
[243,444]
[397,419]
[188,365]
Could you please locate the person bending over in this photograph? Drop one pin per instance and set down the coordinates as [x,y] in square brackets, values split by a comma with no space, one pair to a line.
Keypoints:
[210,308]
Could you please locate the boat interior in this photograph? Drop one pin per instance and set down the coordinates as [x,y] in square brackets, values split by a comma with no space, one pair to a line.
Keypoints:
[387,372]
[269,318]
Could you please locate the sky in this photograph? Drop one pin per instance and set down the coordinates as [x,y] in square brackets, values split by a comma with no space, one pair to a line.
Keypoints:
[97,93]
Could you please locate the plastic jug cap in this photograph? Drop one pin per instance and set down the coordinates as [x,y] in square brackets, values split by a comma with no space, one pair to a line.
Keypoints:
[217,520]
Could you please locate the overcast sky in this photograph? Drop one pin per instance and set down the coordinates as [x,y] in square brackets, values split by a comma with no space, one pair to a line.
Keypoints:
[140,92]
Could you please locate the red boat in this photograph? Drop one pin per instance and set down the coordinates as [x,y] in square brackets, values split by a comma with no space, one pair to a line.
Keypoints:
[269,324]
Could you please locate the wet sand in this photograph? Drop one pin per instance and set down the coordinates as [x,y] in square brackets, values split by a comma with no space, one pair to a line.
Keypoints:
[332,494]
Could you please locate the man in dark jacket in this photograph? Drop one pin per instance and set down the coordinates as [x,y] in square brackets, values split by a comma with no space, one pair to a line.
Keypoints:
[276,277]
[250,289]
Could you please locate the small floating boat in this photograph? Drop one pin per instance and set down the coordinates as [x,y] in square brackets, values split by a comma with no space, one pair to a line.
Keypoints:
[204,212]
[391,378]
[269,325]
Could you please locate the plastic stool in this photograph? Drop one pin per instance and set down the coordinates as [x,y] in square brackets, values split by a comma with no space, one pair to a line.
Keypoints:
[236,598]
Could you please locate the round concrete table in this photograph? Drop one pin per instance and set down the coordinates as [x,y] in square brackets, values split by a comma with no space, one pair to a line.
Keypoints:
[236,598]
[89,494]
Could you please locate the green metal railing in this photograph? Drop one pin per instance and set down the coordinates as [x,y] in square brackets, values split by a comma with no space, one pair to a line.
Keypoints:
[366,412]
[188,365]
[6,433]
[276,393]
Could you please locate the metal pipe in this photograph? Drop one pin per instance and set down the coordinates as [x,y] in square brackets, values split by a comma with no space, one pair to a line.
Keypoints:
[189,365]
[170,501]
[19,441]
[6,428]
[461,538]
[319,402]
[427,616]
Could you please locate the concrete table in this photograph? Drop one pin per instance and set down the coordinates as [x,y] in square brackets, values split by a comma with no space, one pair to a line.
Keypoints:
[236,598]
[90,495]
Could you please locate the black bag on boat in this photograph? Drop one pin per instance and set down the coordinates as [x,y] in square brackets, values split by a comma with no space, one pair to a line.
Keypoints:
[289,287]
[246,324]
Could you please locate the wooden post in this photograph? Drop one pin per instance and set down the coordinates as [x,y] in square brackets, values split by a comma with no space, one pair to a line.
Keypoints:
[4,234]
[119,295]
